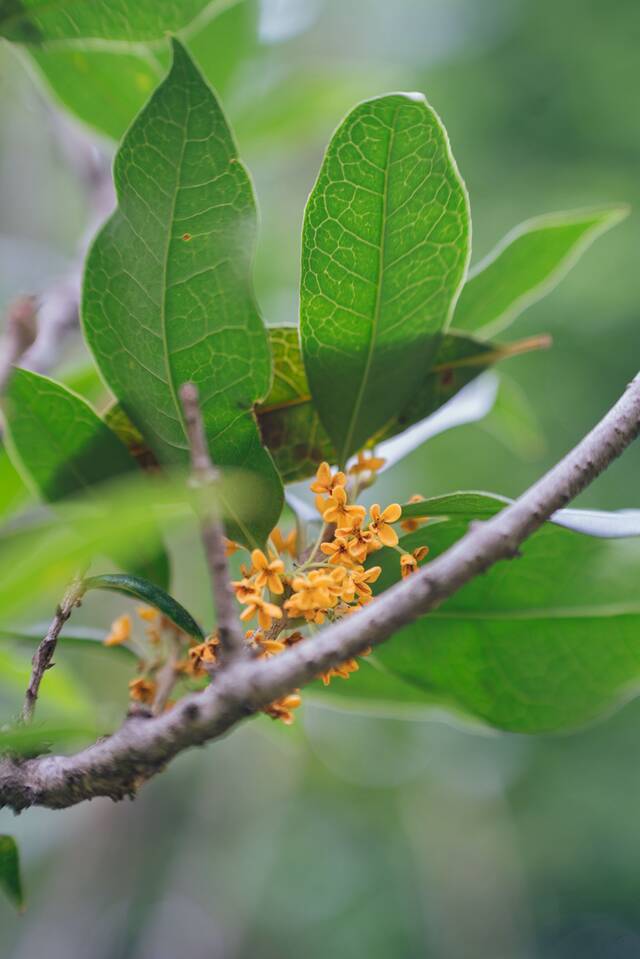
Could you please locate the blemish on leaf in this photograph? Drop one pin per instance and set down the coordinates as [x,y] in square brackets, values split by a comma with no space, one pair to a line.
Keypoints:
[186,237]
[447,378]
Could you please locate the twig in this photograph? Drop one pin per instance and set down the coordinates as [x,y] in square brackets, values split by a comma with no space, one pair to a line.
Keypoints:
[141,748]
[230,633]
[43,655]
[20,333]
[168,675]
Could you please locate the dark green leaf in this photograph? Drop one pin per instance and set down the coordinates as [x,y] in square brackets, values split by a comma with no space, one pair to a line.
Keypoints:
[74,636]
[150,594]
[64,447]
[385,248]
[168,293]
[526,265]
[546,642]
[10,880]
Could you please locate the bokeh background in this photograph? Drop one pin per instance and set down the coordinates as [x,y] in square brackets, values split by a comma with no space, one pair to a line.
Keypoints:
[355,835]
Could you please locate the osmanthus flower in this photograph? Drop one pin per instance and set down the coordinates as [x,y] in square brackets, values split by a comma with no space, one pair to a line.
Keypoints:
[120,631]
[362,578]
[244,588]
[380,524]
[409,561]
[230,547]
[282,708]
[201,655]
[326,482]
[265,611]
[343,671]
[339,549]
[142,690]
[366,464]
[337,510]
[361,543]
[268,572]
[311,593]
[285,544]
[411,523]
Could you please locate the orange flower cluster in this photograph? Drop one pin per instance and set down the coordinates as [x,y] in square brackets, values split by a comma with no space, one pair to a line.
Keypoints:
[288,590]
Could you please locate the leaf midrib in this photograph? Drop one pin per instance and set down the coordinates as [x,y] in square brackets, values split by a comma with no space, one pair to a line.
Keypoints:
[376,314]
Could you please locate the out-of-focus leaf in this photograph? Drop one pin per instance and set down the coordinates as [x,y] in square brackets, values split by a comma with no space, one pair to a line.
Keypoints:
[64,447]
[527,264]
[385,249]
[514,421]
[167,294]
[41,737]
[603,524]
[13,492]
[63,695]
[544,643]
[37,21]
[10,880]
[73,636]
[144,590]
[106,87]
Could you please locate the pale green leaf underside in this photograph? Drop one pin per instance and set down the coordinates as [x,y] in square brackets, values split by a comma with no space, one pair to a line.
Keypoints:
[37,21]
[543,643]
[168,293]
[526,265]
[385,248]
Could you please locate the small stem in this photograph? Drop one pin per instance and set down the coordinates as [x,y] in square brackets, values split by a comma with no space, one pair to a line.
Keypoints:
[43,655]
[168,675]
[232,642]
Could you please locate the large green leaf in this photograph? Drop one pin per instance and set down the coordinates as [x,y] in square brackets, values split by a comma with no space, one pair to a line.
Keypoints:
[10,881]
[36,21]
[385,249]
[291,427]
[107,86]
[168,292]
[542,643]
[527,264]
[64,447]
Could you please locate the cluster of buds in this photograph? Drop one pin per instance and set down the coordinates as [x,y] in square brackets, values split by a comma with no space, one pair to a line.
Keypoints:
[288,591]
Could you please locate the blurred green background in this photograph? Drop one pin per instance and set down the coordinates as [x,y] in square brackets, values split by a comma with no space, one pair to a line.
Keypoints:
[351,835]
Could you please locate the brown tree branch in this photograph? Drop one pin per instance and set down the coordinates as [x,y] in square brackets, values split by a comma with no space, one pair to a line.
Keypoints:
[19,334]
[116,766]
[230,634]
[43,655]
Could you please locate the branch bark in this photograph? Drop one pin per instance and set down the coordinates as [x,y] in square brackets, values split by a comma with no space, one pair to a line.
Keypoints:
[232,643]
[116,766]
[43,655]
[19,335]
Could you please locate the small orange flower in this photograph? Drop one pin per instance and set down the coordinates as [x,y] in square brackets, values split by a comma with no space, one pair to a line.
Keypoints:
[282,708]
[338,550]
[265,611]
[230,547]
[245,589]
[336,510]
[380,523]
[343,671]
[202,654]
[148,614]
[285,544]
[142,690]
[408,565]
[362,578]
[361,543]
[412,523]
[366,464]
[325,482]
[269,571]
[120,631]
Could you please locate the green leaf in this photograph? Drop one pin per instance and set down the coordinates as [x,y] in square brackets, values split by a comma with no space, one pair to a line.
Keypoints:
[144,590]
[10,880]
[36,21]
[546,642]
[291,427]
[526,265]
[107,86]
[63,446]
[168,292]
[385,249]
